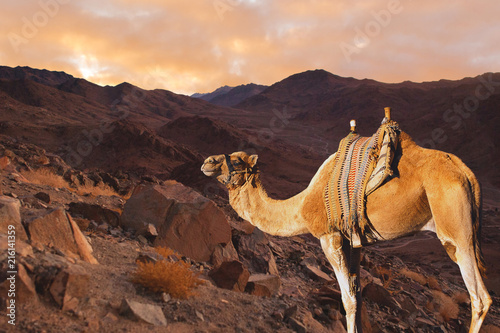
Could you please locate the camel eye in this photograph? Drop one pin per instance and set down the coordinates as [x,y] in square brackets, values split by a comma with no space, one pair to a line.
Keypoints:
[211,160]
[238,162]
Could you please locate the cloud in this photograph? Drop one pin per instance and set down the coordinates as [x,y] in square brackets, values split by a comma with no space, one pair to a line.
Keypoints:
[200,45]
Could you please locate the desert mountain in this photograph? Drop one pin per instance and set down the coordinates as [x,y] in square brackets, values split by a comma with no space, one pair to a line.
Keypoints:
[310,110]
[125,127]
[231,96]
[208,96]
[460,117]
[43,76]
[97,166]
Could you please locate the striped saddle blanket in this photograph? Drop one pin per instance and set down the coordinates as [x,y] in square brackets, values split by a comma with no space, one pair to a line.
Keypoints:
[362,164]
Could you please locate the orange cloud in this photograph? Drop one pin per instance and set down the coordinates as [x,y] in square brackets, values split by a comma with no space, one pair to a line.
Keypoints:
[199,45]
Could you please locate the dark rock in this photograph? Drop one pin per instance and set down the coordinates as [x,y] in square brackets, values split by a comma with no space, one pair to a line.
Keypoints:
[32,202]
[94,177]
[43,196]
[110,181]
[149,231]
[291,312]
[365,319]
[148,313]
[408,305]
[78,178]
[257,254]
[94,212]
[379,295]
[231,275]
[297,326]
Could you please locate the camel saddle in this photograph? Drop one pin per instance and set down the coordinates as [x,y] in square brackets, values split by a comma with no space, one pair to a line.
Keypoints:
[362,164]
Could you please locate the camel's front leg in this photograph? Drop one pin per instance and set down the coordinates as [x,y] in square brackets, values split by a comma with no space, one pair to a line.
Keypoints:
[332,246]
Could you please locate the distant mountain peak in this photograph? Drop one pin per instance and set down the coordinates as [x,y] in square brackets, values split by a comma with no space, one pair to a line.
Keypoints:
[231,96]
[213,94]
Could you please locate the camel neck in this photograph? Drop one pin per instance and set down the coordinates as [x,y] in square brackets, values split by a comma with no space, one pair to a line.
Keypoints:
[275,217]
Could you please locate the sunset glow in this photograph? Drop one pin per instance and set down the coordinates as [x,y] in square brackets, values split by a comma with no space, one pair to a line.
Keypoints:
[199,45]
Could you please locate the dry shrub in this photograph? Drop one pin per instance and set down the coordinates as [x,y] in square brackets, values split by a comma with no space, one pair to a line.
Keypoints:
[461,297]
[433,283]
[166,252]
[444,305]
[417,277]
[44,176]
[172,277]
[99,189]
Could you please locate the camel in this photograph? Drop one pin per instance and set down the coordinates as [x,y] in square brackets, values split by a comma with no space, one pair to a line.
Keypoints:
[430,190]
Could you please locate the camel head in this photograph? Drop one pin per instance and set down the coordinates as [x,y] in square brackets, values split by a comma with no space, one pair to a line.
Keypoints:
[231,170]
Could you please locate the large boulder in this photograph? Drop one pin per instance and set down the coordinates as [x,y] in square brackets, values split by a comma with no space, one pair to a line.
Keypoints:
[263,285]
[10,218]
[57,229]
[70,286]
[186,221]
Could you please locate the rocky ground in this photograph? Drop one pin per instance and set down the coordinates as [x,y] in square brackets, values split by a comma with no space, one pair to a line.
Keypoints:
[75,264]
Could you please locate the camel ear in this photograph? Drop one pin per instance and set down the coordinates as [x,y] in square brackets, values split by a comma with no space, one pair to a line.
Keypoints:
[252,160]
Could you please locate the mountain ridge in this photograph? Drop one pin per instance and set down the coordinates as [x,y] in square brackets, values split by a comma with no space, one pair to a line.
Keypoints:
[310,110]
[231,96]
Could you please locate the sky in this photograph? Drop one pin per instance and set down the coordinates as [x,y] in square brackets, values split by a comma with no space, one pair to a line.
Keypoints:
[200,45]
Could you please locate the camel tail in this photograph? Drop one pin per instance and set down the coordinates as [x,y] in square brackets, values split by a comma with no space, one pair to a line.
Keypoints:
[477,208]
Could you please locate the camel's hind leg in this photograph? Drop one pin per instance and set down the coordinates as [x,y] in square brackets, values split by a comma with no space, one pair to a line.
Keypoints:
[466,260]
[336,255]
[455,229]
